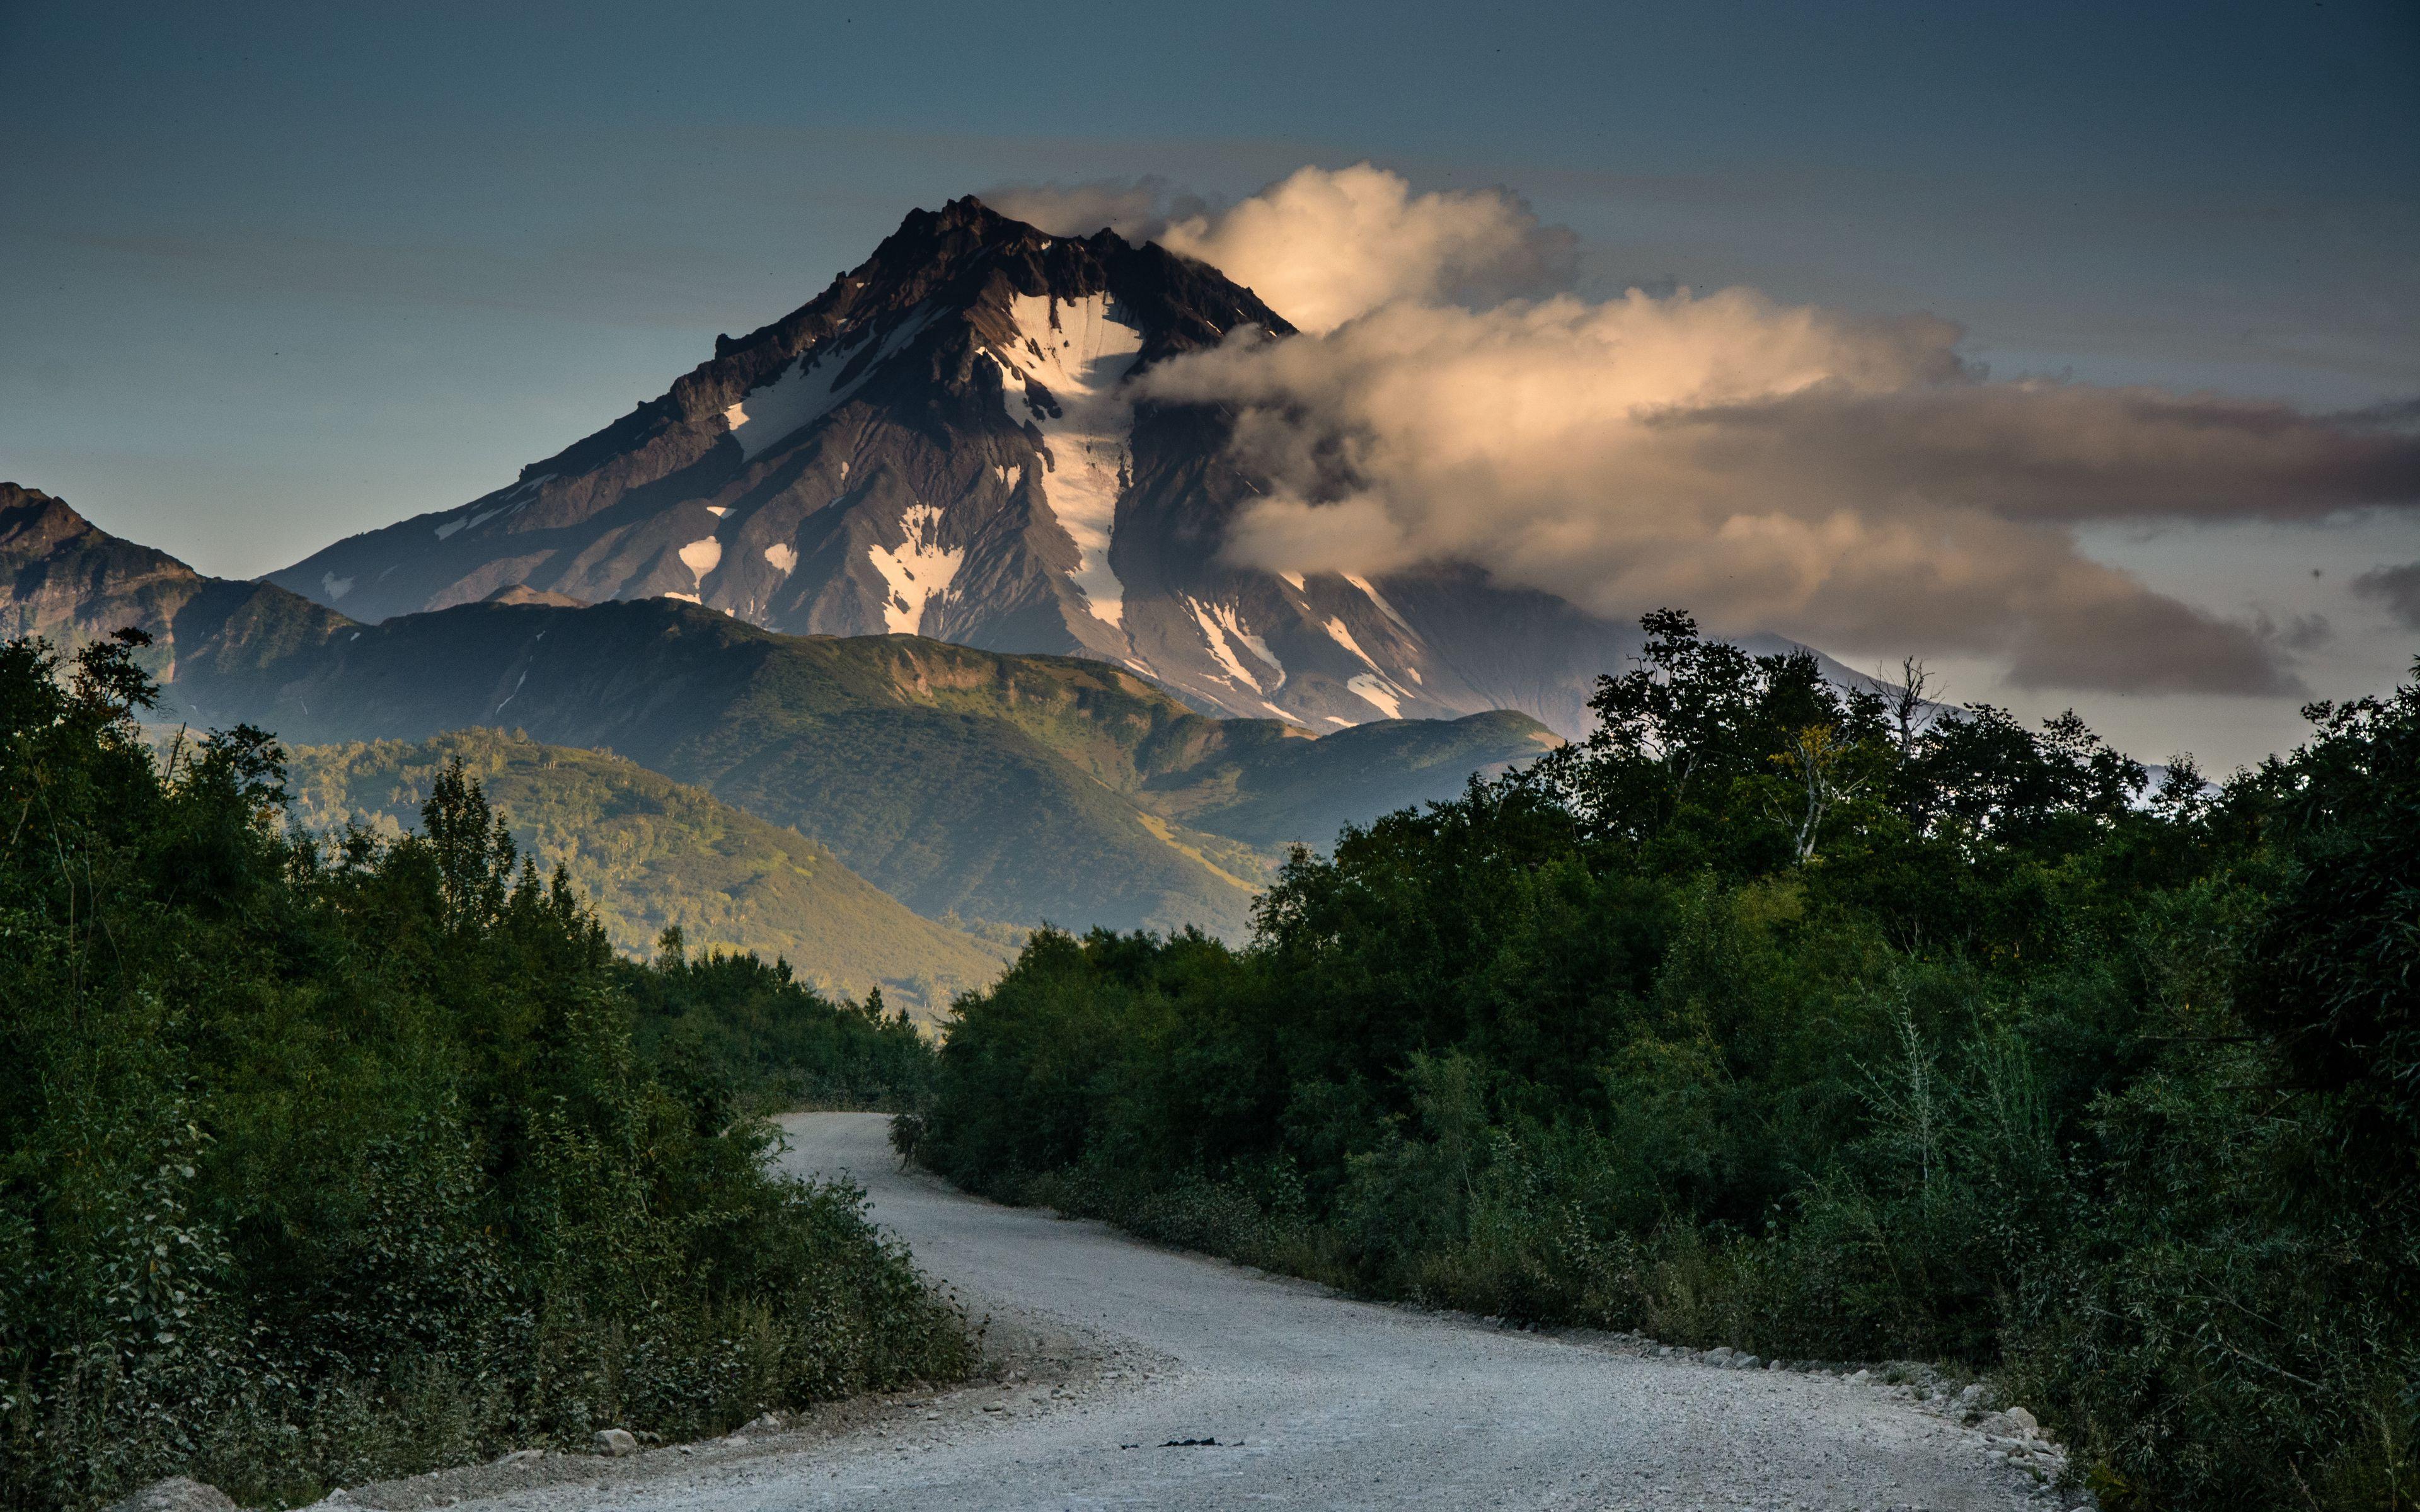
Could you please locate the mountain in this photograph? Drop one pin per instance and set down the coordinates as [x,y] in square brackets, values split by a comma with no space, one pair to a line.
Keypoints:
[940,443]
[1000,789]
[654,853]
[65,579]
[1006,789]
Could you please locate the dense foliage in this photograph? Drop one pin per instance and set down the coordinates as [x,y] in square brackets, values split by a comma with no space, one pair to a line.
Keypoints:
[1821,1024]
[741,1035]
[323,1158]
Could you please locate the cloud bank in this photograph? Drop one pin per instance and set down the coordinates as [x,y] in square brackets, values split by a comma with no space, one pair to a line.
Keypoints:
[1322,247]
[1852,483]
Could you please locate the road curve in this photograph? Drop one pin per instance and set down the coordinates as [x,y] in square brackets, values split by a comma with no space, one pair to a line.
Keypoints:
[1316,1401]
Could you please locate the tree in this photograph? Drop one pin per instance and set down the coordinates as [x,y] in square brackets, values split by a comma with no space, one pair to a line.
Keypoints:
[1818,761]
[1907,701]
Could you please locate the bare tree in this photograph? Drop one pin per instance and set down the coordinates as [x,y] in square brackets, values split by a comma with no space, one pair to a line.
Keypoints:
[1905,696]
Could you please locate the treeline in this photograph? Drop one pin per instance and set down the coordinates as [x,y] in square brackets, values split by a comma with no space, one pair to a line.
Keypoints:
[741,1033]
[324,1158]
[1823,1025]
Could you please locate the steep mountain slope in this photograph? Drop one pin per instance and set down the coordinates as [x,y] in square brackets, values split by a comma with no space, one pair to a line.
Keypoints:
[654,853]
[65,579]
[942,444]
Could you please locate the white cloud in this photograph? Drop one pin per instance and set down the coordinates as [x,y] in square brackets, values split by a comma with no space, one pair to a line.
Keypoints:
[1852,482]
[1322,246]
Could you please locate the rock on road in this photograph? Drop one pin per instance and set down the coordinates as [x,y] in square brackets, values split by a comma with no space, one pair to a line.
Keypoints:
[1316,1401]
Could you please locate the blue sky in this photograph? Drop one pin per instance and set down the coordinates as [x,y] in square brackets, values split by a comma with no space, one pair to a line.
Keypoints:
[271,275]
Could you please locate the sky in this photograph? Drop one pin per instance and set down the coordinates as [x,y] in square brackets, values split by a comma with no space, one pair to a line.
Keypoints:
[271,275]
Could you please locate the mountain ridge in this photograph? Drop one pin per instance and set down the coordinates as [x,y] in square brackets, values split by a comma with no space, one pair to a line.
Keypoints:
[1010,789]
[995,787]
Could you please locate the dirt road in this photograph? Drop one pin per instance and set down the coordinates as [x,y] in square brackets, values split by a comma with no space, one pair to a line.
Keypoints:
[1314,1400]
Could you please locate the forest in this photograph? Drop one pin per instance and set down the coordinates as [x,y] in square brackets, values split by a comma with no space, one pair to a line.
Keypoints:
[1821,1023]
[327,1156]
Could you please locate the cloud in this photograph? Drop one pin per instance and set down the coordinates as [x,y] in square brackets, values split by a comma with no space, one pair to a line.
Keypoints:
[1856,483]
[1321,247]
[1852,482]
[2398,588]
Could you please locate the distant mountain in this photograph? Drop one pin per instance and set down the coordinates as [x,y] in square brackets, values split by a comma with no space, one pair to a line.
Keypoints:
[998,789]
[65,579]
[941,443]
[653,852]
[1007,788]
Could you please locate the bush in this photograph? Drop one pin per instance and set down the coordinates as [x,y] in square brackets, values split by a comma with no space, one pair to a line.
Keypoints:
[1790,1020]
[327,1159]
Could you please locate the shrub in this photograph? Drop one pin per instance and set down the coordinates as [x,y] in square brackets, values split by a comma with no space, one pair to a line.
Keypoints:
[329,1158]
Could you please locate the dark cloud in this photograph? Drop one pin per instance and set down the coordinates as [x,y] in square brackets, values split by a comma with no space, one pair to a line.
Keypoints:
[2063,453]
[2396,588]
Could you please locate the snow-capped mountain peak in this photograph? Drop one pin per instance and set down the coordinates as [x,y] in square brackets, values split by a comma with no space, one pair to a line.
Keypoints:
[945,442]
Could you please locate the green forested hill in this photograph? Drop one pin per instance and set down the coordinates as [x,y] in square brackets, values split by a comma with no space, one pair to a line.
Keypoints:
[651,853]
[1008,789]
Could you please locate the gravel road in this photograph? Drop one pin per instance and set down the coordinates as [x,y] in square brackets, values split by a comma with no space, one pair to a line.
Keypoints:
[1314,1400]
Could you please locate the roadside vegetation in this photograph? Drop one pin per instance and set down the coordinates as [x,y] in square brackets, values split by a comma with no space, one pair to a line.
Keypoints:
[1818,1024]
[325,1157]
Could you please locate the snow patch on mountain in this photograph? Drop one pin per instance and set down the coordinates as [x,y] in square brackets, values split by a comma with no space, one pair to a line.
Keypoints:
[783,556]
[812,387]
[1230,623]
[1378,693]
[918,571]
[336,587]
[702,556]
[1343,637]
[1216,635]
[1079,352]
[1233,624]
[1379,599]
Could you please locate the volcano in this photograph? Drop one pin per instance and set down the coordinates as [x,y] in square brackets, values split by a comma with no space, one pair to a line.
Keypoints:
[945,443]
